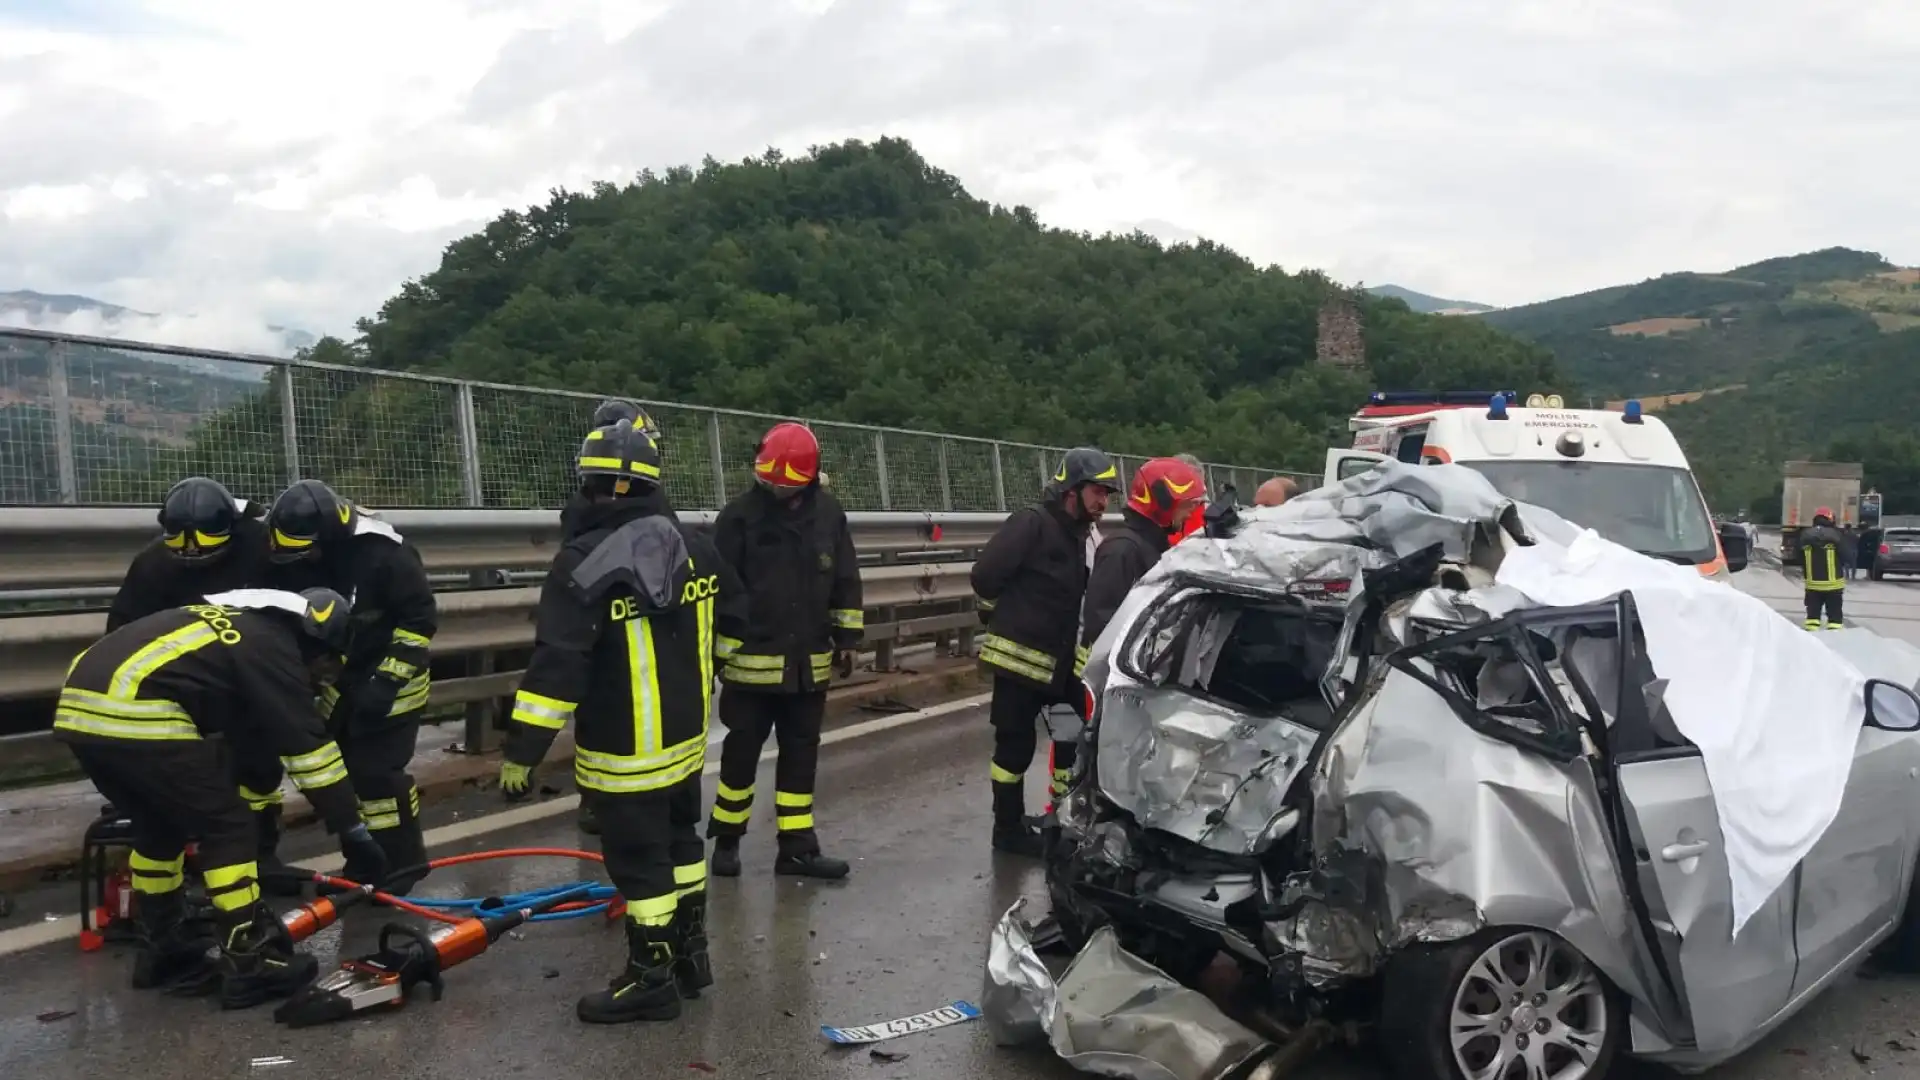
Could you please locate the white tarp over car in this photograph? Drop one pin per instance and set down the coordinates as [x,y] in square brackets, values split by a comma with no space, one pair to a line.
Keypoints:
[1775,712]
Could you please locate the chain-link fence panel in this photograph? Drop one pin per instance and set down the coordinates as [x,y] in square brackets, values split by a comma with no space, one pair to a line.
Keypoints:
[527,445]
[380,440]
[29,442]
[850,458]
[697,476]
[970,473]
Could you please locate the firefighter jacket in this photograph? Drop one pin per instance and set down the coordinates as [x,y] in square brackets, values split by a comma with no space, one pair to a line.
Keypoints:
[1826,557]
[1124,558]
[1030,580]
[802,578]
[167,681]
[635,612]
[156,580]
[394,619]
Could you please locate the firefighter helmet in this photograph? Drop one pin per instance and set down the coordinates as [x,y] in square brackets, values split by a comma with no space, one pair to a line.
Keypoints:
[197,519]
[788,457]
[614,410]
[1085,465]
[306,519]
[1824,512]
[624,454]
[325,619]
[1164,489]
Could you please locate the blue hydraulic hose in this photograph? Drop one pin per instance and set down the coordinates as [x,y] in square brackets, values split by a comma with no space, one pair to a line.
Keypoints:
[600,896]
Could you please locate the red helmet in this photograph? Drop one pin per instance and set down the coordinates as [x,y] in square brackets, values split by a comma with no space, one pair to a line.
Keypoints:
[1164,489]
[788,457]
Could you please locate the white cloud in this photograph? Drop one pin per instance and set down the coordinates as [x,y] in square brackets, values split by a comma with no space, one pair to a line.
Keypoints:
[294,165]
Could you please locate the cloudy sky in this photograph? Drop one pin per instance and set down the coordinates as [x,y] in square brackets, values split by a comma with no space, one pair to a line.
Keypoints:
[264,162]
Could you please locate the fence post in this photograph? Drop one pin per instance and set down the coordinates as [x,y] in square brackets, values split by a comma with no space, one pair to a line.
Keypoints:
[289,424]
[946,485]
[999,481]
[62,423]
[880,468]
[469,445]
[719,465]
[483,715]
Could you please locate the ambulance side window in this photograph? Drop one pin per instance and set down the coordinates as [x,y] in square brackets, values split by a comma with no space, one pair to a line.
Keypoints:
[1412,441]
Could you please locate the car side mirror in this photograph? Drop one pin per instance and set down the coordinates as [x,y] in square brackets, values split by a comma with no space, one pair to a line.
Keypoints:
[1733,544]
[1892,707]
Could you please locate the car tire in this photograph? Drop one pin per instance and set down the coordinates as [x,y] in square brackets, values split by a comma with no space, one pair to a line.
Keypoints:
[1877,574]
[1426,989]
[1901,952]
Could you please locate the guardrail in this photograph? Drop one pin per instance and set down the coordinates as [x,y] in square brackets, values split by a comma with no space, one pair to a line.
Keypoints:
[914,572]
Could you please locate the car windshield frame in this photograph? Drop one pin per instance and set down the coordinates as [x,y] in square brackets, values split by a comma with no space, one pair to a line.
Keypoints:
[1562,495]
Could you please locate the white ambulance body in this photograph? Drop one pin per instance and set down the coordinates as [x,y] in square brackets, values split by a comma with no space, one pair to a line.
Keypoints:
[1621,474]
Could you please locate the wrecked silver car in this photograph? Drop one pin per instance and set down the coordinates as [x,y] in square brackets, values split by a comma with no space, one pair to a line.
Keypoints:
[1342,772]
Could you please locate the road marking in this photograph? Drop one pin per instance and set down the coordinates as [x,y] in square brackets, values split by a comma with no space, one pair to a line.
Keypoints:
[22,938]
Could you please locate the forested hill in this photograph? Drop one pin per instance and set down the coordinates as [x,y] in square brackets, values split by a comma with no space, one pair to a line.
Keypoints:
[861,283]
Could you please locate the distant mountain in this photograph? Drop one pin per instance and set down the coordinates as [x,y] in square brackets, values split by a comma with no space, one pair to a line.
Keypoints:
[1428,305]
[1815,355]
[87,316]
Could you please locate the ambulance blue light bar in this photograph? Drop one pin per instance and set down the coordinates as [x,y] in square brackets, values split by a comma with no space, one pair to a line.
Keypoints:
[1632,411]
[1408,402]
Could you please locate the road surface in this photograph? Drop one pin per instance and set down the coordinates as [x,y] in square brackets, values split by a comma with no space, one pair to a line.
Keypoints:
[906,933]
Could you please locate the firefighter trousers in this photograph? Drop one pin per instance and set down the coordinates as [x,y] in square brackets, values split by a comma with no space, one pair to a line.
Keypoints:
[651,843]
[183,793]
[794,721]
[1015,714]
[377,754]
[1823,608]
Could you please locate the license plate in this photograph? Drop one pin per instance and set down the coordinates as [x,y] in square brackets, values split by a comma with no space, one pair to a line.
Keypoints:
[946,1016]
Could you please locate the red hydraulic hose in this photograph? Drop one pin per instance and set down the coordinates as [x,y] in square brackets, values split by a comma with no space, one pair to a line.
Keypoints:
[614,911]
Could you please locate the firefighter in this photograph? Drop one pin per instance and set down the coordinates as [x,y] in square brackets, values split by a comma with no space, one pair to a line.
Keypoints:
[633,616]
[607,413]
[137,709]
[1163,496]
[1030,580]
[317,538]
[1826,559]
[209,542]
[789,541]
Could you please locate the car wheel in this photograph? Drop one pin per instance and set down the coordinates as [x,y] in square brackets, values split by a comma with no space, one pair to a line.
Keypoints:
[1901,952]
[1877,574]
[1504,1004]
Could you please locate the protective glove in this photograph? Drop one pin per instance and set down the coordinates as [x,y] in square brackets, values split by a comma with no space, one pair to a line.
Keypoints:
[843,663]
[374,700]
[516,781]
[366,860]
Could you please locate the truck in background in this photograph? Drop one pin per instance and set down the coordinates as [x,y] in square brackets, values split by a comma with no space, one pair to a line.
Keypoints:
[1810,485]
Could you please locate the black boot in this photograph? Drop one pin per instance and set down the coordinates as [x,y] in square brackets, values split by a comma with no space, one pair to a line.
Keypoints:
[258,962]
[1012,833]
[692,969]
[646,990]
[726,857]
[173,951]
[800,857]
[589,822]
[276,877]
[406,847]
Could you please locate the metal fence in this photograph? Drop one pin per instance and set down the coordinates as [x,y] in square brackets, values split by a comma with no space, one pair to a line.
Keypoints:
[100,421]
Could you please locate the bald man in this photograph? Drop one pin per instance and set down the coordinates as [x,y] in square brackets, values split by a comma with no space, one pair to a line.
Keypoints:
[1275,491]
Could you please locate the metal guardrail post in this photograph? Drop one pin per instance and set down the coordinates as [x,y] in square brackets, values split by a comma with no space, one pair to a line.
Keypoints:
[719,462]
[62,423]
[289,424]
[999,481]
[481,716]
[880,469]
[883,650]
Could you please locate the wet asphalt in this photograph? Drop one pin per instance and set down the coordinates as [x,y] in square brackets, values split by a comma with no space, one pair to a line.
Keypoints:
[905,933]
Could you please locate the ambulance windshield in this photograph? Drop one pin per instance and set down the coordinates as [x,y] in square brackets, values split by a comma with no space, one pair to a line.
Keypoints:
[1653,509]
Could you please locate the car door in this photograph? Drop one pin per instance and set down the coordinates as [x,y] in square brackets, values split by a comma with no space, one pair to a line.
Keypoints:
[1342,464]
[1853,884]
[1729,986]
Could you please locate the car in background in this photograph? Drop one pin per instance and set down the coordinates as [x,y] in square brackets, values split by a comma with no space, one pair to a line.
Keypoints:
[1899,553]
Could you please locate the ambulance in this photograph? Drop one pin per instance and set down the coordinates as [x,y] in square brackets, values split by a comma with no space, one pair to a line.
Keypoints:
[1621,474]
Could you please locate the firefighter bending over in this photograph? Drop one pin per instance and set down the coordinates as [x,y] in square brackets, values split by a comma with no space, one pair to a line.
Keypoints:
[1161,499]
[209,542]
[136,710]
[320,539]
[1826,560]
[790,543]
[631,619]
[1030,581]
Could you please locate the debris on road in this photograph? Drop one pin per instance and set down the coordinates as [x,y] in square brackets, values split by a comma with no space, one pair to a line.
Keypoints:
[52,1015]
[270,1062]
[886,1057]
[703,1066]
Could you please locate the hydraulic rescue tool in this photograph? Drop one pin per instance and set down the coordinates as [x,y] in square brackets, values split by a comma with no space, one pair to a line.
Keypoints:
[406,958]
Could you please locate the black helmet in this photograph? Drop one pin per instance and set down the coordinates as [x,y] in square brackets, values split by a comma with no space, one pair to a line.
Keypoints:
[306,518]
[1085,465]
[613,410]
[622,453]
[197,519]
[326,619]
